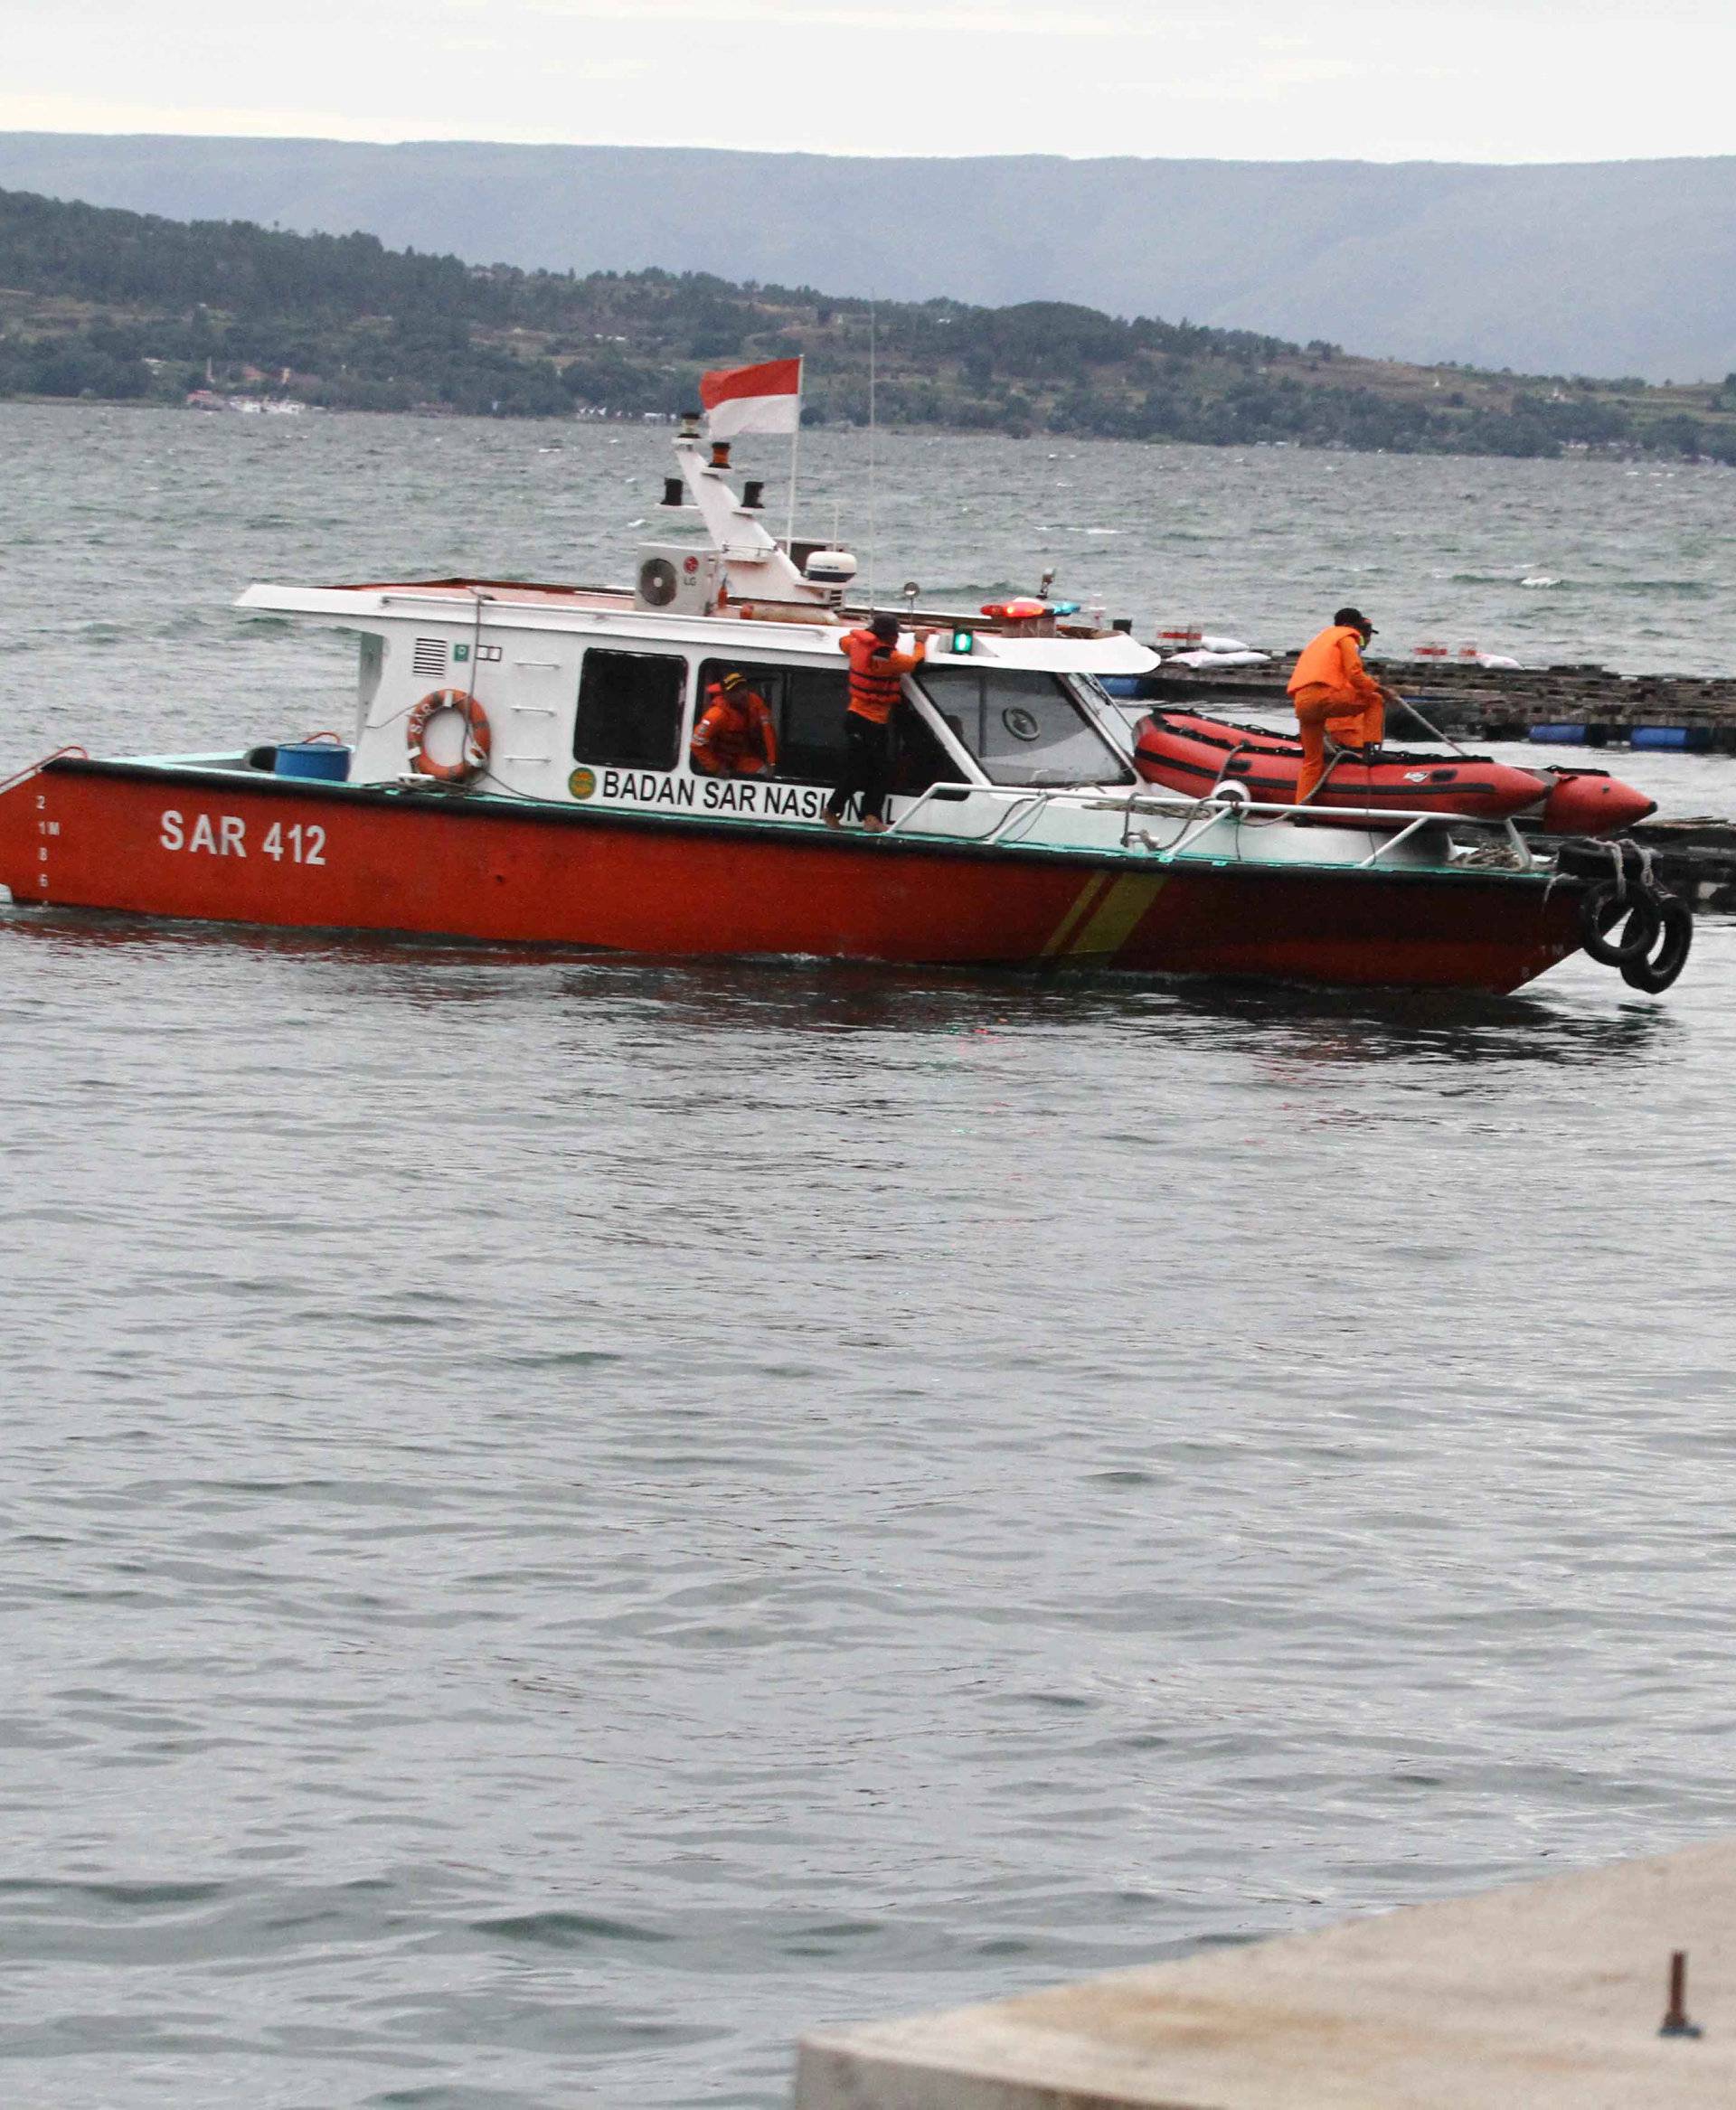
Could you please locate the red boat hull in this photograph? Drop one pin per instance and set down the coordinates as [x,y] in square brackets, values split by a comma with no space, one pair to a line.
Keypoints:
[152,840]
[1185,751]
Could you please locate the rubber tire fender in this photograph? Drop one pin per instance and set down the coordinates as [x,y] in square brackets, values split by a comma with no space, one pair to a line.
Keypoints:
[1655,974]
[1602,909]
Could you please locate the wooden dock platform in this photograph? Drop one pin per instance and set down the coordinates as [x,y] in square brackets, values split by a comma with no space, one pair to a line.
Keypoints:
[1547,1996]
[1695,858]
[1500,702]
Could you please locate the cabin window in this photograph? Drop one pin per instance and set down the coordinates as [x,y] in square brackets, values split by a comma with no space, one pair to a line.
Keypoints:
[919,759]
[811,725]
[808,706]
[1024,727]
[629,710]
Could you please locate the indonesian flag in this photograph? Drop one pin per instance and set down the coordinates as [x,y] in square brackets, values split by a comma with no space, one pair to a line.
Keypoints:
[752,399]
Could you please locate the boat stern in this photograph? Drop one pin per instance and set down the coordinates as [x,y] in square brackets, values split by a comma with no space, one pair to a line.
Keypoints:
[20,815]
[29,824]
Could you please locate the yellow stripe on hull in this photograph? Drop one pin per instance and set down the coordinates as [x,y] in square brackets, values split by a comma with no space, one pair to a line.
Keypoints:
[1116,915]
[1070,922]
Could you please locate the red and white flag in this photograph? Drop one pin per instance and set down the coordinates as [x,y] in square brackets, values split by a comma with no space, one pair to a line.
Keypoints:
[752,399]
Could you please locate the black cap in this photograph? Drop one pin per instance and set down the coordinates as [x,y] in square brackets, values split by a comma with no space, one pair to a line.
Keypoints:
[1354,619]
[885,626]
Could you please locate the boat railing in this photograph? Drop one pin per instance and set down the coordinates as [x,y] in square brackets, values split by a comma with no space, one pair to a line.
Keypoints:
[1200,816]
[1504,825]
[1029,803]
[73,752]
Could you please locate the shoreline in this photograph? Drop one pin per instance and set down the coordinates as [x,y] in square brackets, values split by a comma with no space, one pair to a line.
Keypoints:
[653,420]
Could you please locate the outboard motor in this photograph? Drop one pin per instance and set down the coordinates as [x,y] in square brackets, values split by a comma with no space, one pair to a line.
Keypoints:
[832,568]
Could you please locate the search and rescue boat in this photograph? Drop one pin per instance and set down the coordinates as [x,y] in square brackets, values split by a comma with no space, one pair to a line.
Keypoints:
[517,769]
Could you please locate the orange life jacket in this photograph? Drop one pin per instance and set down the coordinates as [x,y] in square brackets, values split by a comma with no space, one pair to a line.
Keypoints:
[735,738]
[877,673]
[1334,659]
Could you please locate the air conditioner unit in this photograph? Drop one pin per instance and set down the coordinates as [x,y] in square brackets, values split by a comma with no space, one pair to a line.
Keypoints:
[674,578]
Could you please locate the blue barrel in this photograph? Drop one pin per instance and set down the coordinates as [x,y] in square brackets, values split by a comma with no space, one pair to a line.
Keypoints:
[1125,688]
[1679,739]
[1559,736]
[325,759]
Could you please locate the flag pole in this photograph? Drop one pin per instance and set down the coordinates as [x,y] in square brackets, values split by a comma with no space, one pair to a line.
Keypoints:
[871,423]
[795,450]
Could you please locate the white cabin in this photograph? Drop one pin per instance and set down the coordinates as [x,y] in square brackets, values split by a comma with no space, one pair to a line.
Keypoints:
[592,695]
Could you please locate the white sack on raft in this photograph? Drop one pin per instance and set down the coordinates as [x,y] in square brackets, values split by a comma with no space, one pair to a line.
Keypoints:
[1244,656]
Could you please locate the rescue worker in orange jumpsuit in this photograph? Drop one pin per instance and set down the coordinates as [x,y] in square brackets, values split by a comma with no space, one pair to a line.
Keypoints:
[877,672]
[735,736]
[1335,697]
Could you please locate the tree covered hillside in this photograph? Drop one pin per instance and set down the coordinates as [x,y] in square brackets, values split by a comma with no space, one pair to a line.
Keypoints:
[115,304]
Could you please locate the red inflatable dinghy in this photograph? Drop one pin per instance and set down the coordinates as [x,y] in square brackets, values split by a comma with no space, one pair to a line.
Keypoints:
[1187,752]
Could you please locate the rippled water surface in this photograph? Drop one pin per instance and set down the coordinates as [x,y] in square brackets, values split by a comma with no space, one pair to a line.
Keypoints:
[567,1519]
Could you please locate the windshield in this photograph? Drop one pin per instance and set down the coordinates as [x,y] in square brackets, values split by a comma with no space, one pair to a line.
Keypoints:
[1023,727]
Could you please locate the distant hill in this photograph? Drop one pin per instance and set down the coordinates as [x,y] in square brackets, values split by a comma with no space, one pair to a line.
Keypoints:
[1615,268]
[99,302]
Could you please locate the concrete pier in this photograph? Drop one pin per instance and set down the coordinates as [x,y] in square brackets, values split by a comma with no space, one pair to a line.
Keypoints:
[1546,1996]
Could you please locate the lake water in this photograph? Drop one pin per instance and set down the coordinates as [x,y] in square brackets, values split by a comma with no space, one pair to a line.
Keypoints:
[569,1520]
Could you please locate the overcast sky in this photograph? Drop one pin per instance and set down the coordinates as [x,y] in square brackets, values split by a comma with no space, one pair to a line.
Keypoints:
[1238,80]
